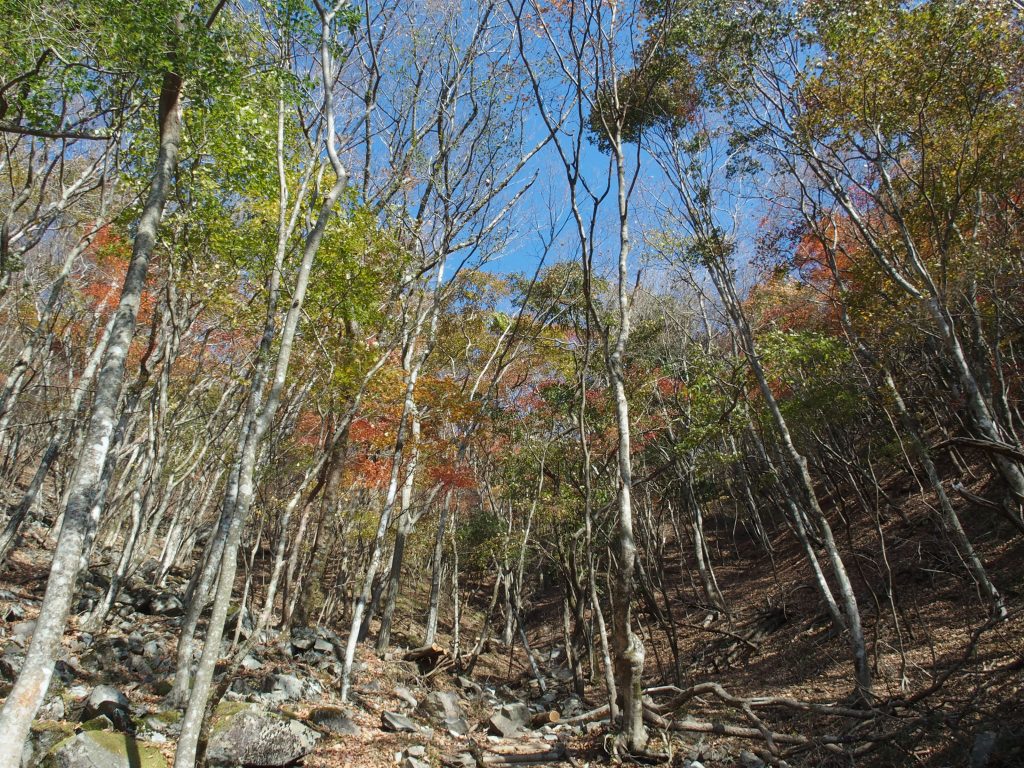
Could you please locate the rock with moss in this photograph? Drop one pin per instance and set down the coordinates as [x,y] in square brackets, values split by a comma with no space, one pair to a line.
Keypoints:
[102,749]
[42,737]
[254,738]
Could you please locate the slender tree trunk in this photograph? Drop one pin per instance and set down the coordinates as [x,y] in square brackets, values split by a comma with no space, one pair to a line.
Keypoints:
[437,568]
[79,523]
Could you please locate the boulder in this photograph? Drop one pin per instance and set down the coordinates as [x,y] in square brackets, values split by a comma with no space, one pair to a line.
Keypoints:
[323,646]
[244,736]
[439,706]
[499,725]
[303,639]
[334,720]
[165,604]
[509,719]
[517,712]
[107,701]
[456,726]
[397,723]
[283,687]
[102,749]
[43,735]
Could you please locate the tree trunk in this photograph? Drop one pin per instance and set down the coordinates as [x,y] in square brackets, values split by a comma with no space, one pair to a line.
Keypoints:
[79,522]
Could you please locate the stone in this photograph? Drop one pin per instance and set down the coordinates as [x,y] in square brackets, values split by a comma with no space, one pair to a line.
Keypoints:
[166,722]
[323,646]
[438,706]
[414,762]
[165,604]
[108,701]
[23,631]
[749,760]
[335,721]
[456,726]
[397,723]
[499,725]
[98,723]
[416,750]
[570,706]
[251,663]
[283,687]
[517,712]
[303,638]
[43,735]
[245,736]
[101,749]
[406,696]
[52,709]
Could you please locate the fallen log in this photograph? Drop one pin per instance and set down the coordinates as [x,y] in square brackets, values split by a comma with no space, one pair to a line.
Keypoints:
[426,656]
[557,753]
[545,718]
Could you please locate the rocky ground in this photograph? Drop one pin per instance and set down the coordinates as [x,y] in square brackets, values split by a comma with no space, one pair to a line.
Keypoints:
[952,687]
[106,706]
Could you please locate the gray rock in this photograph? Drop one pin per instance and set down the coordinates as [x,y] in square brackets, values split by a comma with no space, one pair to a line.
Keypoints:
[108,701]
[259,739]
[517,712]
[406,696]
[283,687]
[166,605]
[101,749]
[749,760]
[250,663]
[456,726]
[41,738]
[499,725]
[439,706]
[52,709]
[570,706]
[23,631]
[397,723]
[323,646]
[303,638]
[335,721]
[414,762]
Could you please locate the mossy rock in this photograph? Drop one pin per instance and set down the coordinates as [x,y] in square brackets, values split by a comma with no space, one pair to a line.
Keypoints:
[103,749]
[53,726]
[44,734]
[99,723]
[169,716]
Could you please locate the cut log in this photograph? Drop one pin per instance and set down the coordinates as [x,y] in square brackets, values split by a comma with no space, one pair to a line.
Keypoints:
[545,718]
[427,656]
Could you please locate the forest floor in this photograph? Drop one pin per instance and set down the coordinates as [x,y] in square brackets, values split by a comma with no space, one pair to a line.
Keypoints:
[949,685]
